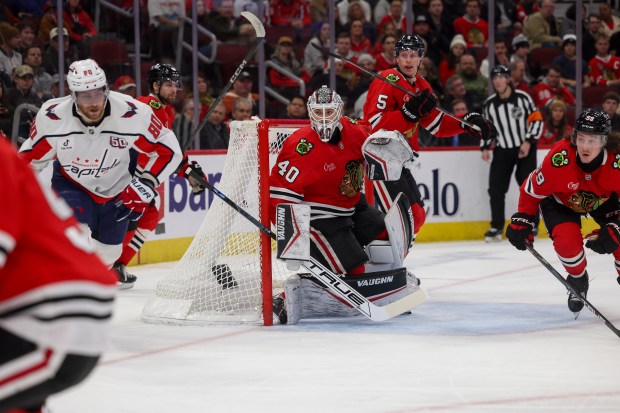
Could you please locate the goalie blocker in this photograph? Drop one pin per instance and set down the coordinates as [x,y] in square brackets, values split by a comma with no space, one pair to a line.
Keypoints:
[386,282]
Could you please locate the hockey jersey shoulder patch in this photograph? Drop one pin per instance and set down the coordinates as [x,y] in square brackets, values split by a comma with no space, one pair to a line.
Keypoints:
[392,78]
[131,110]
[560,159]
[49,112]
[616,163]
[303,147]
[154,104]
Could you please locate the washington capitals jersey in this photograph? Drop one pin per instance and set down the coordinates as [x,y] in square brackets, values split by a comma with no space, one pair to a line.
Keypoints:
[384,101]
[328,177]
[97,158]
[560,176]
[49,275]
[163,112]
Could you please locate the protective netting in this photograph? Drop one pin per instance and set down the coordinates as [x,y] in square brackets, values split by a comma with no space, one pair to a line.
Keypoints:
[219,276]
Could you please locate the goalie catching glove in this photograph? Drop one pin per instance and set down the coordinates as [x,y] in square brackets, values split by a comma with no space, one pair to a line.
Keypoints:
[386,152]
[134,199]
[520,230]
[419,106]
[606,240]
[487,132]
[185,170]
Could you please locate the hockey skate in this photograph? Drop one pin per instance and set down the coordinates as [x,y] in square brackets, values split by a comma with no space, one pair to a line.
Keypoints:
[580,284]
[279,309]
[493,235]
[125,280]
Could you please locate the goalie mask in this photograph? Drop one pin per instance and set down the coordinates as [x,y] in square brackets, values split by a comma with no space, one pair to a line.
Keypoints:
[592,123]
[325,110]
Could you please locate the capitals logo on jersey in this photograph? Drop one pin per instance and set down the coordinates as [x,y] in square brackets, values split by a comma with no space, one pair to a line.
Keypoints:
[49,112]
[131,110]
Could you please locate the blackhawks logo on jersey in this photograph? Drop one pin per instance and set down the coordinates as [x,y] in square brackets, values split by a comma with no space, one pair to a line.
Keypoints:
[616,163]
[559,159]
[154,104]
[392,78]
[303,147]
[585,202]
[352,180]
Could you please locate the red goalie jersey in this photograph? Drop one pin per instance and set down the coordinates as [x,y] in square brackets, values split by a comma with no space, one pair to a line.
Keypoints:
[560,176]
[384,101]
[326,176]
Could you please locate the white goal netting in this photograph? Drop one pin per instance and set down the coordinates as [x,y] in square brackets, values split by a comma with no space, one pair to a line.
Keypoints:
[222,275]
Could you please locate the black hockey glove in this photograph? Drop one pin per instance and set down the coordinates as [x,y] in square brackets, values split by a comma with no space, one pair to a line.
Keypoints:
[487,132]
[419,106]
[185,169]
[520,230]
[607,241]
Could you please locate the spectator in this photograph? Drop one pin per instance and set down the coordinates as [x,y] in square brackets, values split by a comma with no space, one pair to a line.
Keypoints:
[474,82]
[439,21]
[381,9]
[474,30]
[360,43]
[501,56]
[50,55]
[6,120]
[386,59]
[345,81]
[80,25]
[343,48]
[459,107]
[42,80]
[204,97]
[55,88]
[614,44]
[296,108]
[388,28]
[363,81]
[517,76]
[568,24]
[521,50]
[166,16]
[435,46]
[447,67]
[284,57]
[289,13]
[48,22]
[343,7]
[567,62]
[315,60]
[541,28]
[23,76]
[242,109]
[428,71]
[245,5]
[127,85]
[395,16]
[604,68]
[455,89]
[526,8]
[319,10]
[555,126]
[588,41]
[610,106]
[608,20]
[183,124]
[215,134]
[222,23]
[551,88]
[356,12]
[26,35]
[241,88]
[10,58]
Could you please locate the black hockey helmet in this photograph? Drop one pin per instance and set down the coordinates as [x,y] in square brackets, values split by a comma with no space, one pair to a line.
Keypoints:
[594,121]
[500,70]
[410,42]
[160,73]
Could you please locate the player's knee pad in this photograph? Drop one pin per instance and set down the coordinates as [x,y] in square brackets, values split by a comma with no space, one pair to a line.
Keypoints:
[568,245]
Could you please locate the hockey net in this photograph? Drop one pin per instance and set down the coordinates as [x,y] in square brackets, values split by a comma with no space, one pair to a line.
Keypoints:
[228,273]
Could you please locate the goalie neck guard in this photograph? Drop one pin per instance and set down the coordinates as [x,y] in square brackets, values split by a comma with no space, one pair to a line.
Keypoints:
[325,110]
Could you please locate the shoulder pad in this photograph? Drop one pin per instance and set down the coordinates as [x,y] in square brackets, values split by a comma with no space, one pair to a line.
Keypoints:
[154,104]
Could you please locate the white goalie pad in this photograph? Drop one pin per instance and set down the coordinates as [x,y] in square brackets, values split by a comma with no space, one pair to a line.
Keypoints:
[386,152]
[293,234]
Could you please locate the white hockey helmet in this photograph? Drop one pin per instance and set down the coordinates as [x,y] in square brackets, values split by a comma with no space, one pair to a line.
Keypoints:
[325,110]
[86,75]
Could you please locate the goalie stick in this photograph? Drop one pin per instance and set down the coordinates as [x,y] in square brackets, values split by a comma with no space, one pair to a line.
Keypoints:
[570,288]
[333,282]
[378,76]
[260,36]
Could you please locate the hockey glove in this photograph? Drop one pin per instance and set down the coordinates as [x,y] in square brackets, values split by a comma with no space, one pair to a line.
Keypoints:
[186,168]
[607,241]
[135,199]
[419,106]
[487,132]
[520,230]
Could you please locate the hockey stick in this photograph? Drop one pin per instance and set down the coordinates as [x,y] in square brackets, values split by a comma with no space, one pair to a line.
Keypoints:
[570,288]
[260,36]
[338,287]
[378,76]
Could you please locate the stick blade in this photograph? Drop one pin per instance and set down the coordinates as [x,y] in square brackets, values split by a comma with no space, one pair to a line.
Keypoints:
[255,22]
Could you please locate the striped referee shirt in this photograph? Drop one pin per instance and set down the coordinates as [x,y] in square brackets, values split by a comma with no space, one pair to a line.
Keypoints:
[516,118]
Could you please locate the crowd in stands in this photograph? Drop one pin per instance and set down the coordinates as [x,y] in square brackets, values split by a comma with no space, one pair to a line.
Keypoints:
[535,41]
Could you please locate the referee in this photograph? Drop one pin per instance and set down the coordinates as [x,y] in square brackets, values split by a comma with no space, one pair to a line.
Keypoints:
[519,125]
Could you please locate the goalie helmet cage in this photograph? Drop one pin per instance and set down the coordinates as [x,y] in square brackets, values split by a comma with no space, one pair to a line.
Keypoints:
[229,272]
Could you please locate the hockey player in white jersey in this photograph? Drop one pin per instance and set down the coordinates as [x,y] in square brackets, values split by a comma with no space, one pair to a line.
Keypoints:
[93,137]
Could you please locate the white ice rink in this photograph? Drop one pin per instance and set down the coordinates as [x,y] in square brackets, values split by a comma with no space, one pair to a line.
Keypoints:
[496,336]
